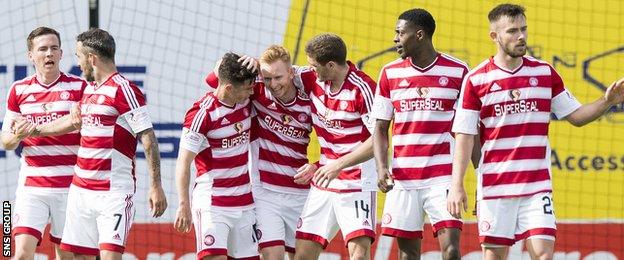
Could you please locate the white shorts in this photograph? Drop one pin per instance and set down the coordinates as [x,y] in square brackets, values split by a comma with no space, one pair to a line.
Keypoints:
[33,211]
[221,232]
[277,216]
[404,212]
[326,212]
[507,220]
[97,221]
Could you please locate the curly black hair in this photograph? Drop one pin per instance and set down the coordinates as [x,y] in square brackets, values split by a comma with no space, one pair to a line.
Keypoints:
[231,71]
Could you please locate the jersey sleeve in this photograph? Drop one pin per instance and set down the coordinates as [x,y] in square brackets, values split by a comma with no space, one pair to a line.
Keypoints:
[382,106]
[212,81]
[195,129]
[563,102]
[364,102]
[130,103]
[305,77]
[468,108]
[12,110]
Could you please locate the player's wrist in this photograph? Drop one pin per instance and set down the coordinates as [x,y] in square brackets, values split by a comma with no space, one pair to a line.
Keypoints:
[35,132]
[156,184]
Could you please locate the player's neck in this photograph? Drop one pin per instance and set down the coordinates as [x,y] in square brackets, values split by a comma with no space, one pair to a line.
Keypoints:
[424,57]
[48,78]
[102,73]
[341,75]
[289,96]
[223,97]
[507,62]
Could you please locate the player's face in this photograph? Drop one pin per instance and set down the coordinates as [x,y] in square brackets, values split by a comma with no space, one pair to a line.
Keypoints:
[242,92]
[511,35]
[406,39]
[278,78]
[83,62]
[46,53]
[323,72]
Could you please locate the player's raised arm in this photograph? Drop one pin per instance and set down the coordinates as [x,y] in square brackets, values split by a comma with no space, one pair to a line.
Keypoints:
[592,111]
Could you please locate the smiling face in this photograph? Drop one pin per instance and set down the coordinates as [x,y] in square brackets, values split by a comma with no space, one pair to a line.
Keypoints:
[510,35]
[46,53]
[278,77]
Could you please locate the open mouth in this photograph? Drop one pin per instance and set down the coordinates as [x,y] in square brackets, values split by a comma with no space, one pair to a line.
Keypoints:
[49,63]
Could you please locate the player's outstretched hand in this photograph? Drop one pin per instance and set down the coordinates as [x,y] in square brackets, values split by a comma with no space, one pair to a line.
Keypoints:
[249,62]
[384,180]
[76,116]
[305,174]
[615,93]
[183,218]
[157,201]
[457,201]
[324,175]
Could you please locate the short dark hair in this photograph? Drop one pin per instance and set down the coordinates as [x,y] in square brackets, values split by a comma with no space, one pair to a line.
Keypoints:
[232,71]
[510,10]
[41,31]
[98,41]
[420,18]
[327,47]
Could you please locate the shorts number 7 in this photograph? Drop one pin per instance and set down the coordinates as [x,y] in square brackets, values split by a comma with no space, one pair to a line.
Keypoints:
[118,220]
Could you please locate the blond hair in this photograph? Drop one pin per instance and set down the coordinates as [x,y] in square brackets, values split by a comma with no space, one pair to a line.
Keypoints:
[275,53]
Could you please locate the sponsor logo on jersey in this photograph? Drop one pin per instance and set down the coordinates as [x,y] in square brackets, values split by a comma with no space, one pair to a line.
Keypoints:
[423,92]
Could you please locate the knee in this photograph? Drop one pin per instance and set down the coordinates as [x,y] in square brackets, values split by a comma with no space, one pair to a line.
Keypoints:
[21,255]
[409,248]
[544,255]
[65,257]
[451,252]
[409,252]
[358,255]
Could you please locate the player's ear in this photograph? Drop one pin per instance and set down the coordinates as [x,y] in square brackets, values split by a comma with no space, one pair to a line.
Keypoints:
[229,88]
[330,64]
[291,72]
[420,34]
[90,57]
[30,56]
[493,33]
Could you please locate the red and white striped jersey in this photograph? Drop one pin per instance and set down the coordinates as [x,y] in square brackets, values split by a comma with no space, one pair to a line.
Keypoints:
[511,110]
[341,121]
[283,134]
[422,103]
[47,163]
[220,136]
[112,115]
